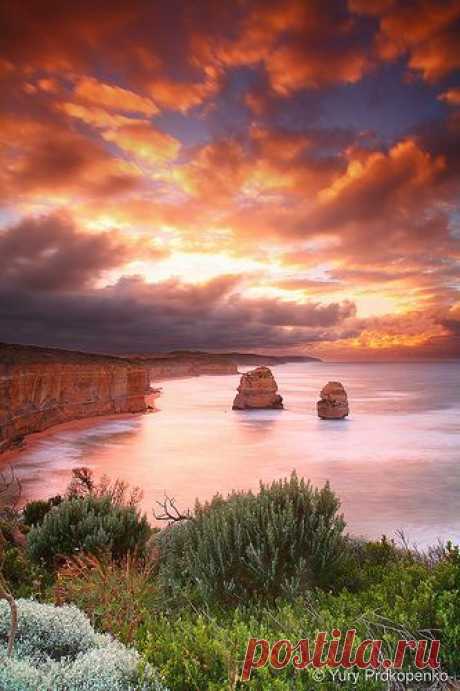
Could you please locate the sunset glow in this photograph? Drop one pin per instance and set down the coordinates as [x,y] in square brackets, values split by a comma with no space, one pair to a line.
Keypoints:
[277,176]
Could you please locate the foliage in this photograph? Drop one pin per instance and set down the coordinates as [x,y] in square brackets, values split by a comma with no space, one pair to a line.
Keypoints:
[270,565]
[204,648]
[23,577]
[88,524]
[57,648]
[285,538]
[83,484]
[115,595]
[35,511]
[19,575]
[10,494]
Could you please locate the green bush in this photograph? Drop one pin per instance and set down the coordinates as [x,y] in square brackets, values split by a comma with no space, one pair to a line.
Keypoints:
[56,648]
[89,524]
[206,649]
[35,511]
[286,538]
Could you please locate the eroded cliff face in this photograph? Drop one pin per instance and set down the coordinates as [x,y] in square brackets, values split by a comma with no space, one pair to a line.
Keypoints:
[167,369]
[39,389]
[159,367]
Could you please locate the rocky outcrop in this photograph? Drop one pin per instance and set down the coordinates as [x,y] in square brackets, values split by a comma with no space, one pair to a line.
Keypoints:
[41,387]
[334,402]
[257,389]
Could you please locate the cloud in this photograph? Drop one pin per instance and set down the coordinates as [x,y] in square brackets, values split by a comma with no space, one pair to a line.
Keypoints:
[93,116]
[378,184]
[49,253]
[113,97]
[451,96]
[301,45]
[42,159]
[426,30]
[246,134]
[182,96]
[133,315]
[144,141]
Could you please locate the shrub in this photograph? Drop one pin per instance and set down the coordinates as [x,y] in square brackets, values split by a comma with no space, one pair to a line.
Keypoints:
[88,524]
[205,649]
[56,648]
[23,577]
[35,511]
[83,484]
[115,595]
[287,537]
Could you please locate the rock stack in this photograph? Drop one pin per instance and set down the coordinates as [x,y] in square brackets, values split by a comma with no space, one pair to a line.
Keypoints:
[334,402]
[257,389]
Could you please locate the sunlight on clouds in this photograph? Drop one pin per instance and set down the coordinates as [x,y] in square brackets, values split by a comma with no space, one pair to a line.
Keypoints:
[190,267]
[376,303]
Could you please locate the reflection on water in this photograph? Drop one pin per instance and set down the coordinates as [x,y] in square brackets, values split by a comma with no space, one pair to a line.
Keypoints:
[394,461]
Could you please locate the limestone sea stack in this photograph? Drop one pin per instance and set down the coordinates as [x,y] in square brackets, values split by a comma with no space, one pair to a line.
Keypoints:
[257,389]
[334,402]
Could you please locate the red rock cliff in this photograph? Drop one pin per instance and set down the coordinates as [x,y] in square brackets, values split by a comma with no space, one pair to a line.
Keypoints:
[41,387]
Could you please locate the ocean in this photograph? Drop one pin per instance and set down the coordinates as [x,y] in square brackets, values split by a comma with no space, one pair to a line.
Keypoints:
[394,462]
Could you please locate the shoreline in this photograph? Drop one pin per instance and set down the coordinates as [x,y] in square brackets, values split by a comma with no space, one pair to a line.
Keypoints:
[34,438]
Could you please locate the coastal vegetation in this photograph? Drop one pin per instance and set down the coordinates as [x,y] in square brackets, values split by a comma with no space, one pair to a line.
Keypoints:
[105,601]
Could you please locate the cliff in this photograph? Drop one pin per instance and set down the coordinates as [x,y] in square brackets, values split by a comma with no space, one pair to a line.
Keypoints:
[41,387]
[171,365]
[190,363]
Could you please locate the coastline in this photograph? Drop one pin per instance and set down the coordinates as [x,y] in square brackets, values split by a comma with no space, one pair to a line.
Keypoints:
[33,438]
[82,423]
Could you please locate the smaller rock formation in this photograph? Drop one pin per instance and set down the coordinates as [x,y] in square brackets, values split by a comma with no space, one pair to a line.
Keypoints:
[257,389]
[334,402]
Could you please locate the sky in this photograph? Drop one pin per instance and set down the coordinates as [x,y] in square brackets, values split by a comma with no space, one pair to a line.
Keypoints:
[255,175]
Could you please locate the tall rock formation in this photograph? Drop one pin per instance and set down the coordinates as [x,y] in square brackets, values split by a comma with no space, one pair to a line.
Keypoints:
[334,402]
[257,389]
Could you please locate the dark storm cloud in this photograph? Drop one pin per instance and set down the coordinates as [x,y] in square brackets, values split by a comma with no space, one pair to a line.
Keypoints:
[133,315]
[49,254]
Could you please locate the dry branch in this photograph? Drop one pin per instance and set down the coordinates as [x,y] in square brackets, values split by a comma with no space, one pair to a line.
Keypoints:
[170,512]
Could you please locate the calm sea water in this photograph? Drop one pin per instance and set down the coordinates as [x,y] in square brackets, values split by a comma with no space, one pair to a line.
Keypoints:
[394,462]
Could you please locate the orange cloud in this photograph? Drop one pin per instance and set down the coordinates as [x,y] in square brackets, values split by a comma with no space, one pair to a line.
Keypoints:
[425,29]
[381,181]
[301,45]
[144,142]
[451,96]
[96,117]
[113,97]
[56,165]
[182,95]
